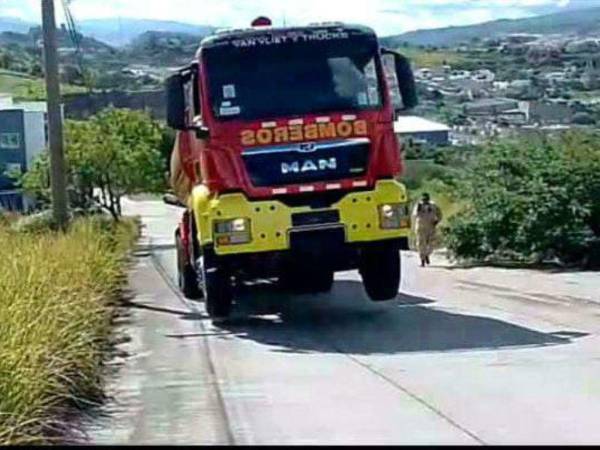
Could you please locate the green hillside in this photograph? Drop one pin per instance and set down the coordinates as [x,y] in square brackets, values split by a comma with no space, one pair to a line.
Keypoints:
[23,87]
[431,58]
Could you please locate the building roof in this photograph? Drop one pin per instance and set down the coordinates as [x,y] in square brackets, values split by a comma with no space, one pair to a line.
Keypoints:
[6,102]
[491,102]
[415,124]
[33,106]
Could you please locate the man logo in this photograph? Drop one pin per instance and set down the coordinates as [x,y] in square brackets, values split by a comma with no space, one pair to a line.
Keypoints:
[309,165]
[307,147]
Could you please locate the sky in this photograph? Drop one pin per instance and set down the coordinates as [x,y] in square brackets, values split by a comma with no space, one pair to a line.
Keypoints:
[385,16]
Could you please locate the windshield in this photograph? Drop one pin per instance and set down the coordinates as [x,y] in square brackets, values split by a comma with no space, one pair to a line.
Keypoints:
[292,79]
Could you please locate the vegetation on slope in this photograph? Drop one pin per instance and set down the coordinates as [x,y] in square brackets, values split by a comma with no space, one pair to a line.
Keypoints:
[57,300]
[431,57]
[531,200]
[24,87]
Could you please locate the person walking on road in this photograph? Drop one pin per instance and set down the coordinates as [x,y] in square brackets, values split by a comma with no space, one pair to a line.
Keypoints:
[425,217]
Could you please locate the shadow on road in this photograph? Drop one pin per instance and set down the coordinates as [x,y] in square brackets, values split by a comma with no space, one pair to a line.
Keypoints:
[182,314]
[546,267]
[148,249]
[345,320]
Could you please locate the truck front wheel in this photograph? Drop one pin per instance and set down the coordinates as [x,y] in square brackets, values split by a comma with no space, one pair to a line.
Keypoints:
[217,287]
[186,275]
[380,270]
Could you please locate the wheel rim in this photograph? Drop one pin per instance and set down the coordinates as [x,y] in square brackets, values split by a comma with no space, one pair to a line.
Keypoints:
[201,276]
[179,265]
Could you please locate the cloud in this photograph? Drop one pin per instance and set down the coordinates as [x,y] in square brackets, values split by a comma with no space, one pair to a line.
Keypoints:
[386,16]
[22,9]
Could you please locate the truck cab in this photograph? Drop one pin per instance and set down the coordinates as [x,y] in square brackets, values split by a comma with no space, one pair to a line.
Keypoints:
[287,161]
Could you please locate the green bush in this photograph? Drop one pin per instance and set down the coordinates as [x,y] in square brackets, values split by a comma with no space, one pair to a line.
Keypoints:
[35,223]
[417,172]
[43,221]
[531,200]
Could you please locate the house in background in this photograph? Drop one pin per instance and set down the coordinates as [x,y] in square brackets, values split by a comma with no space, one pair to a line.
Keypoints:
[417,132]
[23,136]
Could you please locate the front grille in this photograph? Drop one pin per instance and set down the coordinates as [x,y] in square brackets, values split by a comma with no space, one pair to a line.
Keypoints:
[314,200]
[315,218]
[307,162]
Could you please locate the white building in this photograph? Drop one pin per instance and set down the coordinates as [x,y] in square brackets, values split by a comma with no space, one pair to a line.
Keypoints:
[413,130]
[23,137]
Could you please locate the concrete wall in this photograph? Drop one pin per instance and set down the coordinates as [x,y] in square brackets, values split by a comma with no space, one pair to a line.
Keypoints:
[488,107]
[35,135]
[6,101]
[82,106]
[431,137]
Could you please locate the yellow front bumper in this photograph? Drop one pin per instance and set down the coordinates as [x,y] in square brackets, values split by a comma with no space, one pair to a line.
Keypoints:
[271,220]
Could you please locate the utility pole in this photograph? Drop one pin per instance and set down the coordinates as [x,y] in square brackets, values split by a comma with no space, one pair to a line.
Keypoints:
[57,159]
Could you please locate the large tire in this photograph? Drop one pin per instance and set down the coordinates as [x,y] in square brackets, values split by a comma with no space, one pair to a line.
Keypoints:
[186,275]
[307,281]
[380,270]
[217,288]
[323,281]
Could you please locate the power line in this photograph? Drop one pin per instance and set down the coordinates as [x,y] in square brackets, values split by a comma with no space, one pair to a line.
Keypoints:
[75,37]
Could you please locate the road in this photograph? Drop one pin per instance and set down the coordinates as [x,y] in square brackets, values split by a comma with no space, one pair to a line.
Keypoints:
[464,356]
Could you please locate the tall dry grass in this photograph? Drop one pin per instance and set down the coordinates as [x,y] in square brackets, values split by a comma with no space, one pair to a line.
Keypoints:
[57,298]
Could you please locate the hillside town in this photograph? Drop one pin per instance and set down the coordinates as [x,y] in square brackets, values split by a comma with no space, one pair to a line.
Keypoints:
[245,223]
[518,83]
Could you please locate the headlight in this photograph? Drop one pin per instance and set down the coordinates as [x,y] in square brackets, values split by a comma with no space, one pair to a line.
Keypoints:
[387,211]
[232,226]
[394,216]
[239,225]
[232,231]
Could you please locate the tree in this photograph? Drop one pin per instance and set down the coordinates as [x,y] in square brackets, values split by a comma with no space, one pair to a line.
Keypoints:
[113,154]
[36,70]
[583,118]
[5,60]
[36,182]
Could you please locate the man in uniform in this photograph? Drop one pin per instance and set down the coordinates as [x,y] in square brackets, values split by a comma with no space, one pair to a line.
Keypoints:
[425,217]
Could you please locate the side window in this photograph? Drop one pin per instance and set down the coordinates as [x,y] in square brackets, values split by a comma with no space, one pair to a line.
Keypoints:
[13,169]
[389,67]
[192,95]
[373,92]
[197,93]
[188,92]
[10,141]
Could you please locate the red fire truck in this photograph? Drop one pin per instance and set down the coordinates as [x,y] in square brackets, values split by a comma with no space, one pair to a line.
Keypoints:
[286,161]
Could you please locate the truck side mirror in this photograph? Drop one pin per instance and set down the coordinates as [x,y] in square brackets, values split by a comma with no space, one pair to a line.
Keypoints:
[405,80]
[171,199]
[175,102]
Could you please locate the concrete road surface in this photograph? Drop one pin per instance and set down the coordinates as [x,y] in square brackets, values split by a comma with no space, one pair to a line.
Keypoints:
[463,356]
